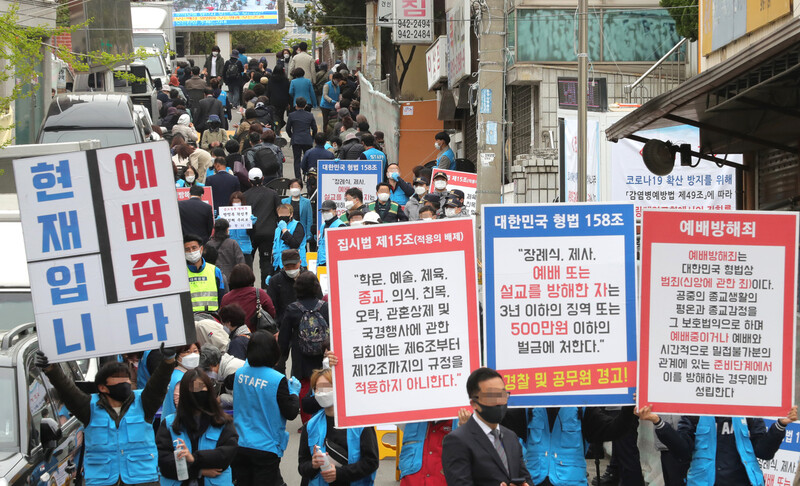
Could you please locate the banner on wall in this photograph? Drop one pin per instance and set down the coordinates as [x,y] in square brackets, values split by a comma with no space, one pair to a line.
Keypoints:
[466,182]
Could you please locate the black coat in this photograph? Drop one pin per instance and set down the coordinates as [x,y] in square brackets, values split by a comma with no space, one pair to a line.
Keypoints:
[197,218]
[264,203]
[206,107]
[351,149]
[222,186]
[281,290]
[235,80]
[278,91]
[301,126]
[302,364]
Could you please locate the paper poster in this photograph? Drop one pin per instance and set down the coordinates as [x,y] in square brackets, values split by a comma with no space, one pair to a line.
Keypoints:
[560,294]
[183,194]
[718,320]
[238,217]
[404,319]
[463,181]
[571,159]
[337,176]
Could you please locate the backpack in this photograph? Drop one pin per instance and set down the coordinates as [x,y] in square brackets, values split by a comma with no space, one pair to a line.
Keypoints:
[267,160]
[313,334]
[232,71]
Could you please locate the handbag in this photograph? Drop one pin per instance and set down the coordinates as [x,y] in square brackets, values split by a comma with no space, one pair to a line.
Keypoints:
[261,319]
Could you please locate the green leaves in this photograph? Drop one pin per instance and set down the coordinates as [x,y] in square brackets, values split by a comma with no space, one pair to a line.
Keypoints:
[685,13]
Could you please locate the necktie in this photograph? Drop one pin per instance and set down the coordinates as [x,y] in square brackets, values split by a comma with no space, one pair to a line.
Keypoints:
[498,446]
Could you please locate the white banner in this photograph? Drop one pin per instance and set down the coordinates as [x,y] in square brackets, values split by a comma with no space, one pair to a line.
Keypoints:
[459,59]
[571,159]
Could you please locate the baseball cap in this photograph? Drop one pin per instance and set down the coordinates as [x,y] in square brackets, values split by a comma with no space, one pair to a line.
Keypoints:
[458,193]
[211,332]
[420,180]
[452,201]
[255,173]
[440,175]
[343,112]
[289,257]
[328,205]
[235,52]
[433,198]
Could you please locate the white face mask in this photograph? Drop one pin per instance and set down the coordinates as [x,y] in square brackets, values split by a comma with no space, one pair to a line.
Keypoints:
[189,179]
[192,256]
[427,219]
[214,53]
[327,216]
[286,56]
[357,223]
[383,197]
[437,145]
[325,399]
[389,174]
[449,212]
[237,204]
[190,361]
[348,205]
[440,184]
[294,192]
[420,190]
[293,273]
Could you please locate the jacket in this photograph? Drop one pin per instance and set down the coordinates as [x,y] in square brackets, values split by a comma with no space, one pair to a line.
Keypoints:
[293,238]
[219,61]
[302,87]
[233,80]
[214,448]
[303,60]
[415,444]
[401,191]
[389,212]
[245,297]
[281,290]
[206,107]
[228,254]
[210,137]
[187,132]
[446,160]
[322,257]
[301,127]
[311,157]
[197,218]
[222,185]
[302,365]
[377,155]
[264,203]
[200,160]
[306,213]
[278,92]
[351,150]
[413,205]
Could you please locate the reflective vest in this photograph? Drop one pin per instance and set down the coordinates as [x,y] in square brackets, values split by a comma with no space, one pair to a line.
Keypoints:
[142,373]
[203,287]
[414,436]
[703,471]
[333,94]
[278,245]
[206,442]
[451,156]
[322,259]
[258,418]
[556,455]
[168,408]
[317,428]
[386,209]
[127,452]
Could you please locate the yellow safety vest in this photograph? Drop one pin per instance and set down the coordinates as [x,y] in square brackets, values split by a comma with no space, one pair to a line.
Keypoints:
[203,287]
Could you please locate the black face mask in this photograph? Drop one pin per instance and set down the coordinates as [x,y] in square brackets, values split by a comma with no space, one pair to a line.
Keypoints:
[285,219]
[201,398]
[494,414]
[119,392]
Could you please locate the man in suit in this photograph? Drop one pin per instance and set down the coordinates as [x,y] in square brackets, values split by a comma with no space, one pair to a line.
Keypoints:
[222,183]
[206,107]
[197,217]
[301,127]
[483,452]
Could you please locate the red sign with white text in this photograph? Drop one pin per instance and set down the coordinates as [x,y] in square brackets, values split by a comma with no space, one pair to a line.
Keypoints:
[404,320]
[718,312]
[466,182]
[183,194]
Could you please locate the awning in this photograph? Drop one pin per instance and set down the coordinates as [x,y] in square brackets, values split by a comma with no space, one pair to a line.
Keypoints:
[749,102]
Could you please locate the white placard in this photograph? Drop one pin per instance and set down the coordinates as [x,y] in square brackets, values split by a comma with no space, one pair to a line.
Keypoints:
[238,217]
[435,59]
[459,60]
[385,13]
[592,159]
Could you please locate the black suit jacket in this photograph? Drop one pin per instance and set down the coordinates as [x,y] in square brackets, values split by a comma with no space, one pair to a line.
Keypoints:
[469,458]
[206,107]
[197,218]
[222,186]
[301,126]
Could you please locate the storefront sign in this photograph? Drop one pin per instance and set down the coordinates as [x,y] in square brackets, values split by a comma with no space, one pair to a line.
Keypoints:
[413,22]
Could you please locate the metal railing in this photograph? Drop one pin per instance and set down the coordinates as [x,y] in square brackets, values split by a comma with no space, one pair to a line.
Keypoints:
[664,75]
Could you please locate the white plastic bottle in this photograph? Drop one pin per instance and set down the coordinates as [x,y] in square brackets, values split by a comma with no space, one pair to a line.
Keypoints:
[180,464]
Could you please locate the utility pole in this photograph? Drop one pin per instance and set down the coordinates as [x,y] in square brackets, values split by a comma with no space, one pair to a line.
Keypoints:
[491,25]
[583,83]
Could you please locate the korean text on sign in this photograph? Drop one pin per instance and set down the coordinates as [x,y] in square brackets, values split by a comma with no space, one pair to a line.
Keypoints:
[559,287]
[238,217]
[718,300]
[407,330]
[465,182]
[104,247]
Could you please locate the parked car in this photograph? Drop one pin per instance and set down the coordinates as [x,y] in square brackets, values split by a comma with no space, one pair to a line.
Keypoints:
[107,117]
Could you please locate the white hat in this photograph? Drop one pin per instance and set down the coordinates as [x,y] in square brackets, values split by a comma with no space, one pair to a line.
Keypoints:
[372,218]
[255,173]
[212,332]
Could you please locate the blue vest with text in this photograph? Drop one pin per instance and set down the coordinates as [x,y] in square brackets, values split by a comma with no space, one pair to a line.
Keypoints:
[278,245]
[703,471]
[207,441]
[168,408]
[322,259]
[557,455]
[451,156]
[257,417]
[317,428]
[127,452]
[142,373]
[414,436]
[375,154]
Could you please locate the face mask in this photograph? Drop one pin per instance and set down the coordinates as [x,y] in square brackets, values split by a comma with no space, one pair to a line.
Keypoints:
[201,398]
[119,392]
[294,192]
[356,223]
[348,205]
[493,415]
[390,175]
[190,179]
[285,219]
[215,53]
[427,219]
[420,190]
[440,185]
[325,399]
[383,197]
[286,56]
[237,204]
[293,273]
[450,212]
[436,144]
[190,361]
[328,216]
[212,376]
[192,256]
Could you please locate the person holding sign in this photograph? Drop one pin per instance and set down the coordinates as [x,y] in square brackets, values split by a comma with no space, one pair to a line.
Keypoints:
[120,442]
[722,450]
[483,452]
[329,455]
[289,234]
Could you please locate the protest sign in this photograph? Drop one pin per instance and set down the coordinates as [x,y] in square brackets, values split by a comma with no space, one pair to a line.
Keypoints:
[780,470]
[102,235]
[404,320]
[183,194]
[238,217]
[337,176]
[718,321]
[463,181]
[560,294]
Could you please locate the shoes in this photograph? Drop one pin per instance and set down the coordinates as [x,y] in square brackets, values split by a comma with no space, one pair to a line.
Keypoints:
[609,478]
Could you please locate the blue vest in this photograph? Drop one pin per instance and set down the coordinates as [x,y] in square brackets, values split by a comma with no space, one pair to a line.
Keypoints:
[258,419]
[127,452]
[375,154]
[414,437]
[322,259]
[557,455]
[207,441]
[142,373]
[703,471]
[450,156]
[399,196]
[333,93]
[241,237]
[278,245]
[168,408]
[317,428]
